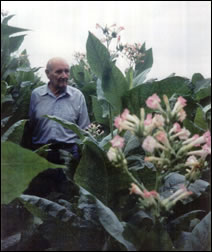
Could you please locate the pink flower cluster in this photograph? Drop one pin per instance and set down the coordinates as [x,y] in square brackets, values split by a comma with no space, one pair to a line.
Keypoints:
[144,194]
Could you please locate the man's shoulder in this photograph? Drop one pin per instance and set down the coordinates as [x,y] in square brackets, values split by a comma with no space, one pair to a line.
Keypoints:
[40,90]
[74,91]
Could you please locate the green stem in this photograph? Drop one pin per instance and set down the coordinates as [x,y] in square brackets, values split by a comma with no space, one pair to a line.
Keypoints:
[111,120]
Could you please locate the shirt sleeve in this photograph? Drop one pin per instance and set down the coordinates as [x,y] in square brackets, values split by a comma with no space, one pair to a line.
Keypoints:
[83,119]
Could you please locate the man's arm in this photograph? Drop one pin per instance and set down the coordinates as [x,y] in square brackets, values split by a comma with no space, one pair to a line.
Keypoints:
[83,119]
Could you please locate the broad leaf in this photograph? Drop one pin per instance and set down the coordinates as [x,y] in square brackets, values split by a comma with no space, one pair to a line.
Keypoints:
[14,133]
[19,167]
[79,132]
[202,89]
[15,43]
[91,172]
[201,235]
[135,98]
[46,209]
[109,221]
[97,55]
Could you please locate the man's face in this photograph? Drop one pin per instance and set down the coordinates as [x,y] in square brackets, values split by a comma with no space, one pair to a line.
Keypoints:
[58,74]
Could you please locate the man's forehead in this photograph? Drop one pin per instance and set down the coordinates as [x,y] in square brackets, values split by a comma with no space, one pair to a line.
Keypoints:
[57,63]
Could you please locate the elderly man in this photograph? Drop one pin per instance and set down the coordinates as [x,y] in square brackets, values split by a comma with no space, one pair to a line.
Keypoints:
[59,99]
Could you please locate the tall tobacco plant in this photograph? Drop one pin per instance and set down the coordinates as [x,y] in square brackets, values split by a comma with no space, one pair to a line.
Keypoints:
[146,188]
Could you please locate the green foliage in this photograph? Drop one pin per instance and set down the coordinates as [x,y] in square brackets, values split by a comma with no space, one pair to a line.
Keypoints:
[17,77]
[98,203]
[19,167]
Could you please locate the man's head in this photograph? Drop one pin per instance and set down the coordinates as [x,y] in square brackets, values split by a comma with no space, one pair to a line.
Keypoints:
[57,71]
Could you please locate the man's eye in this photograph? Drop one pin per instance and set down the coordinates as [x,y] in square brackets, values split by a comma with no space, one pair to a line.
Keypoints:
[59,71]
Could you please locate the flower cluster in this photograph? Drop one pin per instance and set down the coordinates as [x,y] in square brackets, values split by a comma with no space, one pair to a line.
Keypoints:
[110,33]
[134,53]
[167,144]
[115,154]
[154,201]
[95,130]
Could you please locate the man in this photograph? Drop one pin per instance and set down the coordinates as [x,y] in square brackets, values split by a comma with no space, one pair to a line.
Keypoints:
[59,99]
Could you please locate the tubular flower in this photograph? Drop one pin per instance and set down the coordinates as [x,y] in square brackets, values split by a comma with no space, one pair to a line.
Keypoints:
[204,139]
[175,129]
[181,103]
[178,195]
[153,102]
[182,134]
[149,144]
[117,142]
[147,196]
[128,122]
[158,120]
[181,115]
[190,140]
[166,101]
[192,162]
[203,153]
[162,137]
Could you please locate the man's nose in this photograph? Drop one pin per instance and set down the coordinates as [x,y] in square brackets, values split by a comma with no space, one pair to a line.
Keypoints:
[64,74]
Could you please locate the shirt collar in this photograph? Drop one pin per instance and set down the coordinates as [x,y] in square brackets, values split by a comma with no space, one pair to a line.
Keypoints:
[46,90]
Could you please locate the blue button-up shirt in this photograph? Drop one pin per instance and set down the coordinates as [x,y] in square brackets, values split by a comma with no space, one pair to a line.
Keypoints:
[69,105]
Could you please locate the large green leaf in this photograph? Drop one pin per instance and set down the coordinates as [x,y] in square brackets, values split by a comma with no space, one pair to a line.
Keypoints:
[148,62]
[97,55]
[109,221]
[15,43]
[46,209]
[113,82]
[201,235]
[98,112]
[114,86]
[9,30]
[135,98]
[14,133]
[91,172]
[202,89]
[18,167]
[200,119]
[80,133]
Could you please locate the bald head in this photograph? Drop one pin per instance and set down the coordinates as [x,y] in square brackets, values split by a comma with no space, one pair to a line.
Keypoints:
[57,71]
[55,61]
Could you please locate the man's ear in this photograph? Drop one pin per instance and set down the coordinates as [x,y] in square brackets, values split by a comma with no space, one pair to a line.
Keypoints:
[47,72]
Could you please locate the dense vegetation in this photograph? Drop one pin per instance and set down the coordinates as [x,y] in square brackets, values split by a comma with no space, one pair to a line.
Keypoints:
[148,187]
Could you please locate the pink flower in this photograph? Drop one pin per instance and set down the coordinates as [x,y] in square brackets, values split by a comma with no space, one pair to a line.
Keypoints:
[117,142]
[192,161]
[207,136]
[125,114]
[153,102]
[117,122]
[147,194]
[148,120]
[181,115]
[149,144]
[158,121]
[183,134]
[181,103]
[176,128]
[203,153]
[135,189]
[162,137]
[98,26]
[112,154]
[190,140]
[121,28]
